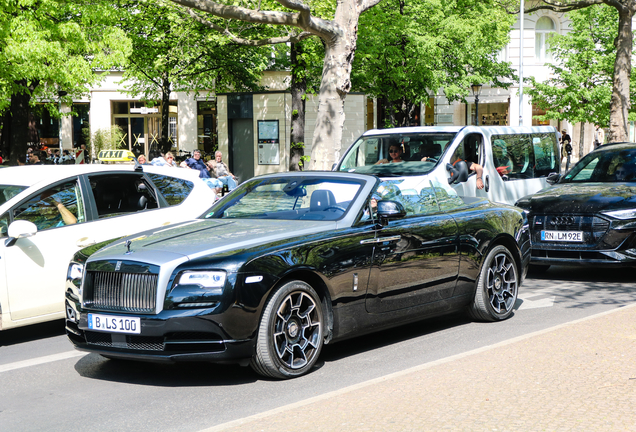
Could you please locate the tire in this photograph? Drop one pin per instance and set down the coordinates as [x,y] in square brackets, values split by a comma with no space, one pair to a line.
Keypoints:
[497,287]
[290,334]
[538,268]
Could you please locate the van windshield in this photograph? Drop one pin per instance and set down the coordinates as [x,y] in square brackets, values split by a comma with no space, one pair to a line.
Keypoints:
[393,154]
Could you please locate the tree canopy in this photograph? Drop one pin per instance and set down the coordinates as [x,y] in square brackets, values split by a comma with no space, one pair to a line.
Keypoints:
[409,50]
[299,21]
[47,46]
[172,52]
[620,102]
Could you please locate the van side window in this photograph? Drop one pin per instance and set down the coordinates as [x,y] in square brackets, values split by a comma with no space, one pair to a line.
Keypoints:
[469,150]
[546,154]
[513,156]
[525,156]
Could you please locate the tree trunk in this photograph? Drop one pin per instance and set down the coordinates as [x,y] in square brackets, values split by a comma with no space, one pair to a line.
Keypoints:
[620,103]
[164,143]
[18,118]
[298,92]
[334,86]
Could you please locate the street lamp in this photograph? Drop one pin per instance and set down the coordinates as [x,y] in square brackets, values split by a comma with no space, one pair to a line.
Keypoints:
[476,88]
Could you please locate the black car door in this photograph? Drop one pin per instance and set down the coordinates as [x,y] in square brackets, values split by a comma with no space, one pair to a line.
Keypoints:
[415,259]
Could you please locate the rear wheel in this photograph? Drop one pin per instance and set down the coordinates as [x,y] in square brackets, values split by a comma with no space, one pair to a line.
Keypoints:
[497,286]
[290,334]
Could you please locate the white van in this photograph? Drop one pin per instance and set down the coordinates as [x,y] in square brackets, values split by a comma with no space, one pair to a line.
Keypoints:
[516,160]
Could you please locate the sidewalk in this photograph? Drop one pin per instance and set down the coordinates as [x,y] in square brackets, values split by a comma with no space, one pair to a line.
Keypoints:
[577,377]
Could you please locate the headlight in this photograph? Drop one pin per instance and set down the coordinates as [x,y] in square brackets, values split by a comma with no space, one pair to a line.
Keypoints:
[206,279]
[622,214]
[75,271]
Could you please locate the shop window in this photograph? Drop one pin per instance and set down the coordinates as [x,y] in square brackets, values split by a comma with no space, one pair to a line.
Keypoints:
[543,31]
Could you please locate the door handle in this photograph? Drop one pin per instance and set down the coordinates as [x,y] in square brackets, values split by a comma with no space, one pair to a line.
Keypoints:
[381,239]
[84,242]
[487,184]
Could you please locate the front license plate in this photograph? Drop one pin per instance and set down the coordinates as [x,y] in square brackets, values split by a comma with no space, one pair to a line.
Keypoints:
[562,236]
[114,324]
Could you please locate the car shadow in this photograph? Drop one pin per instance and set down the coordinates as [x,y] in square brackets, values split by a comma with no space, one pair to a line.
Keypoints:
[32,333]
[94,366]
[396,335]
[587,280]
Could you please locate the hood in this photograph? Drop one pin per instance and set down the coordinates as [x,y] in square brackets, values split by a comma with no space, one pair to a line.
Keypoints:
[581,198]
[197,238]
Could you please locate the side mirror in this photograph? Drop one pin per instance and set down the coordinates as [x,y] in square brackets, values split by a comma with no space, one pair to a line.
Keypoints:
[459,172]
[553,178]
[333,167]
[20,229]
[388,210]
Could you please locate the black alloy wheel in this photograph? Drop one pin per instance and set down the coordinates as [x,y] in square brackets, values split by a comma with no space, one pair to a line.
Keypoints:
[290,334]
[497,286]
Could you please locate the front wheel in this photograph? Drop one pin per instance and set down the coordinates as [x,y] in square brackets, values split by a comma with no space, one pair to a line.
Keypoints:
[497,286]
[290,334]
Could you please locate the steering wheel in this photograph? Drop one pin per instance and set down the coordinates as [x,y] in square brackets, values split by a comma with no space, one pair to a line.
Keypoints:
[335,207]
[432,159]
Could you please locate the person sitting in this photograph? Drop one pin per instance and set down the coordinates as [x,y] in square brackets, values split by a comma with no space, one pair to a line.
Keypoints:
[395,153]
[222,172]
[213,182]
[623,173]
[166,160]
[196,163]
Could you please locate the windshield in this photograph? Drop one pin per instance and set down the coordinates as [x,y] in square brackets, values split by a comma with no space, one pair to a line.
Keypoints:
[394,154]
[9,191]
[289,198]
[612,165]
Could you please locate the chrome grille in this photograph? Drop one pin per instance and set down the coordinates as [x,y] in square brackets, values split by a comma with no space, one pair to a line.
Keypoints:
[120,292]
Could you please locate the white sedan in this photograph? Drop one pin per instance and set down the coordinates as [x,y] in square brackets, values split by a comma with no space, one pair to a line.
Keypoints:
[47,213]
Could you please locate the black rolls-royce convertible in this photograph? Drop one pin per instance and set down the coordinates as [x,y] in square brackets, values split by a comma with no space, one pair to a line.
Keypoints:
[288,262]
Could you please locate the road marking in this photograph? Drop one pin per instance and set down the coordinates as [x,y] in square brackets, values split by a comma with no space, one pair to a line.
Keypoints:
[536,299]
[329,395]
[40,360]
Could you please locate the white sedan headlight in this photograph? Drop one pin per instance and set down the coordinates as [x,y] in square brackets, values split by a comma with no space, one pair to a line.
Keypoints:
[206,279]
[622,214]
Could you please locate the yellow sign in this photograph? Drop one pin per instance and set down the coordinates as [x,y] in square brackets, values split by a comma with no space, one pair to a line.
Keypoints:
[115,155]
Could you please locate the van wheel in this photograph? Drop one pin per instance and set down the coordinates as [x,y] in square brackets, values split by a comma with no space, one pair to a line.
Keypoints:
[497,286]
[290,334]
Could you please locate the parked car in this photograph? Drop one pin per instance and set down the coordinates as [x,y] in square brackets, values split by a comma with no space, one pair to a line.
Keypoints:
[588,218]
[287,262]
[49,212]
[516,161]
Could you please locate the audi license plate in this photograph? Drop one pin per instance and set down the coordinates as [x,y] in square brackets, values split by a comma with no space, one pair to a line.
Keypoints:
[114,324]
[562,236]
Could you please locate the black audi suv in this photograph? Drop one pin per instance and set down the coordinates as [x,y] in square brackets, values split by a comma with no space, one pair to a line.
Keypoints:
[588,216]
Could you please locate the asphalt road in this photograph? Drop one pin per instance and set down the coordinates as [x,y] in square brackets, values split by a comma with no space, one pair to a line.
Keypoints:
[46,386]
